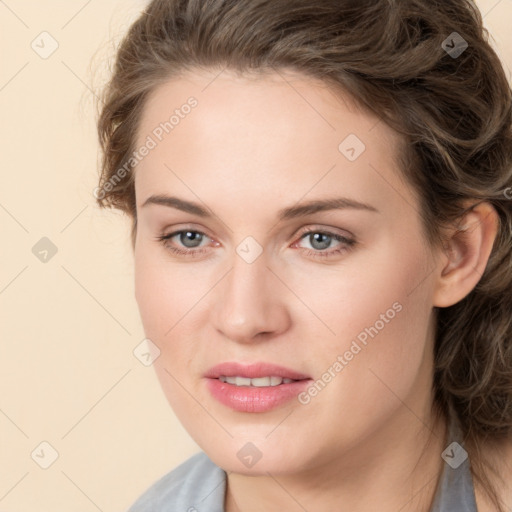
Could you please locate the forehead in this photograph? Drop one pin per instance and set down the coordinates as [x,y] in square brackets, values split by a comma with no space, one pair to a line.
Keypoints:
[270,100]
[260,129]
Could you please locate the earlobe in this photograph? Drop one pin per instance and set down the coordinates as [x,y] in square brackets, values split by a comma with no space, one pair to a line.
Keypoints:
[466,253]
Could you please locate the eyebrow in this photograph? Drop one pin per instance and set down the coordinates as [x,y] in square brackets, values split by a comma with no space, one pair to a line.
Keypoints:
[292,212]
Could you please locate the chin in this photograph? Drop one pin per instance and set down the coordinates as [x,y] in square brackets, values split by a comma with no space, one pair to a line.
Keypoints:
[274,465]
[257,457]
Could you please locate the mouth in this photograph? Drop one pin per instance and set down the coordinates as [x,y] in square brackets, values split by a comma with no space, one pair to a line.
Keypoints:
[258,387]
[253,372]
[259,382]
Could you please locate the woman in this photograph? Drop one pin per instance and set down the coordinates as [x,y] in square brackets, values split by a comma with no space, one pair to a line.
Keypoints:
[320,195]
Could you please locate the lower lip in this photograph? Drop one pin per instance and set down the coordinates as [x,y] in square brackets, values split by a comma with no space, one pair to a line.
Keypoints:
[254,399]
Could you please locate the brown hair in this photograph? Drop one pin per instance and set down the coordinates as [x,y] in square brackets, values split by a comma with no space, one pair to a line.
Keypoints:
[395,58]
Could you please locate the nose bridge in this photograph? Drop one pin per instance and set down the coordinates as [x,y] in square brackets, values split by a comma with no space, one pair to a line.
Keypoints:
[247,284]
[248,301]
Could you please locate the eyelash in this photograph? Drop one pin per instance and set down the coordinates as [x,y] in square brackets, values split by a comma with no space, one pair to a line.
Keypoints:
[194,253]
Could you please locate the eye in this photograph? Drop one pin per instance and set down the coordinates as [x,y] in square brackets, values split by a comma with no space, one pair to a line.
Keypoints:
[188,239]
[188,242]
[320,240]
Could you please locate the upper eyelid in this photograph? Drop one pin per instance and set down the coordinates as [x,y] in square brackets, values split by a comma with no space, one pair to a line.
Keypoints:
[329,231]
[300,231]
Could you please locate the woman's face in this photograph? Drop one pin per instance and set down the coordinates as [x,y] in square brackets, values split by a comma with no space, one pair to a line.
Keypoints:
[300,257]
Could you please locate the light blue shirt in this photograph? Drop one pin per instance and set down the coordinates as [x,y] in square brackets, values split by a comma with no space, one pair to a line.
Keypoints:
[198,485]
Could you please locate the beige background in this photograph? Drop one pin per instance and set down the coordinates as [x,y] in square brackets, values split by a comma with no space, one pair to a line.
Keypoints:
[68,327]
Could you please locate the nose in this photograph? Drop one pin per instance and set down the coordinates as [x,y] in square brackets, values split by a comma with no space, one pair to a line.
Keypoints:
[250,303]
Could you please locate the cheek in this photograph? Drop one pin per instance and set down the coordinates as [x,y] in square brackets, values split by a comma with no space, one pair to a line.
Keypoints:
[165,297]
[164,293]
[351,296]
[387,375]
[380,311]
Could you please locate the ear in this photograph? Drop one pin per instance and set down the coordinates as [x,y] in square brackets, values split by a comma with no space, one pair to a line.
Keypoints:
[466,252]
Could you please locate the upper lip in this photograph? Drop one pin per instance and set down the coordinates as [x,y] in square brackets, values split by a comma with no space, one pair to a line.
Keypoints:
[253,371]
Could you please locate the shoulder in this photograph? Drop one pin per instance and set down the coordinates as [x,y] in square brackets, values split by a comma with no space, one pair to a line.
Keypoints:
[196,484]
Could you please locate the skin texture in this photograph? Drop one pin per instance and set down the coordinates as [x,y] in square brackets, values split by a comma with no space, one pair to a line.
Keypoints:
[252,146]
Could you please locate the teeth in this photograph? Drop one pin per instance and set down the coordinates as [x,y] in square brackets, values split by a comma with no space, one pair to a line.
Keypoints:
[263,381]
[258,382]
[242,381]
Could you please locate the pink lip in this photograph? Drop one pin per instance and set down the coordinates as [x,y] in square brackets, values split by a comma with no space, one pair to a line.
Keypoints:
[254,399]
[253,371]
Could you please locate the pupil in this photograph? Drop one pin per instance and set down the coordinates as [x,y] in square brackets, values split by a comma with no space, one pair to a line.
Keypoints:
[316,238]
[190,236]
